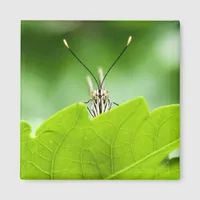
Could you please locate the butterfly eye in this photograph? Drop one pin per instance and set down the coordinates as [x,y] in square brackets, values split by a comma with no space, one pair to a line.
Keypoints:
[93,93]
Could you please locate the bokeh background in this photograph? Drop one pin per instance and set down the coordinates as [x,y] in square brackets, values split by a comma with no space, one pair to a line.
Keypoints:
[51,78]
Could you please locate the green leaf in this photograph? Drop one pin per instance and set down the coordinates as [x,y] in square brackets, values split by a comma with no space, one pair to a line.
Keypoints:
[125,143]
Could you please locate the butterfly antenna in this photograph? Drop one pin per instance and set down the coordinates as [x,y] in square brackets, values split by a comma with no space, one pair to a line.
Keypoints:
[66,44]
[128,42]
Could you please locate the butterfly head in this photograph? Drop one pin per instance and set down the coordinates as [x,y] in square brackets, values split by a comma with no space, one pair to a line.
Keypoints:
[100,94]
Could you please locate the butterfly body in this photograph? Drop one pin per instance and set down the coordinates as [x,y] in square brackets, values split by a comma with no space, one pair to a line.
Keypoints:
[99,99]
[100,102]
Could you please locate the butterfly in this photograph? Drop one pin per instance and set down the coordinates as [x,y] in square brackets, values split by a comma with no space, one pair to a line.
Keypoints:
[99,101]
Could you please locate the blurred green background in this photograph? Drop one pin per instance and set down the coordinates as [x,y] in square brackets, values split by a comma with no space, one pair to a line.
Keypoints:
[51,78]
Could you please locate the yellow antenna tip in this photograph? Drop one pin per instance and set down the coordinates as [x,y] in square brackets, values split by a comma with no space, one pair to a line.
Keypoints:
[129,40]
[66,44]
